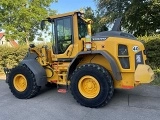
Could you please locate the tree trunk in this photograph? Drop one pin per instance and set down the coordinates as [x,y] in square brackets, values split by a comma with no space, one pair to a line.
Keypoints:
[27,41]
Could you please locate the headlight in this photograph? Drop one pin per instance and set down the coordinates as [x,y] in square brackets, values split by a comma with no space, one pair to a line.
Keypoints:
[139,58]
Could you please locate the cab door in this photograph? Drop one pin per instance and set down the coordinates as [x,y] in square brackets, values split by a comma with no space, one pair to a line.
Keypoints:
[63,34]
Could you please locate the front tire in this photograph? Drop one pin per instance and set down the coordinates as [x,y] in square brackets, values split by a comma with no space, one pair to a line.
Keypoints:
[22,82]
[92,85]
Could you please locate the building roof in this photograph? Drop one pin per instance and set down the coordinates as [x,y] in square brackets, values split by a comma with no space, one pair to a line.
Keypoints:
[1,35]
[13,43]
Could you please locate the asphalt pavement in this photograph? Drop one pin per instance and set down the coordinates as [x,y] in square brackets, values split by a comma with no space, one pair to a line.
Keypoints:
[141,103]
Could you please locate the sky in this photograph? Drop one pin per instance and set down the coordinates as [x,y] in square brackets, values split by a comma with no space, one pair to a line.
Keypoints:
[63,6]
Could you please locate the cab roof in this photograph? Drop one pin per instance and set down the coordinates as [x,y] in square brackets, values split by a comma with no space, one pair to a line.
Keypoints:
[63,15]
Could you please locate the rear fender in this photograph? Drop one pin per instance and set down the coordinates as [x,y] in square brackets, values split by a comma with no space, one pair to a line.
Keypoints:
[77,59]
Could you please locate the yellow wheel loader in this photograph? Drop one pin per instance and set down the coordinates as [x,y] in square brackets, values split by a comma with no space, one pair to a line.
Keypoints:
[91,65]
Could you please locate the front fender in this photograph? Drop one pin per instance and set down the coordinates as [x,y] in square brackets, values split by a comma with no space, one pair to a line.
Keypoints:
[36,68]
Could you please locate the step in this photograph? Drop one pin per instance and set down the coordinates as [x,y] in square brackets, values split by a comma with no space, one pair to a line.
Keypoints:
[62,90]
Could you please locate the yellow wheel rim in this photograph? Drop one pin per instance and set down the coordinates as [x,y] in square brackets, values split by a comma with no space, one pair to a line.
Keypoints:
[20,82]
[88,86]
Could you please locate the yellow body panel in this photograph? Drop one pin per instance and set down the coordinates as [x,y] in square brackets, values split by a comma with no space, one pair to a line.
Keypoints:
[110,45]
[127,81]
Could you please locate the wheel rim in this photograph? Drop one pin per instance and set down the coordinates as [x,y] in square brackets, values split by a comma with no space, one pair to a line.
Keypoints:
[89,86]
[20,82]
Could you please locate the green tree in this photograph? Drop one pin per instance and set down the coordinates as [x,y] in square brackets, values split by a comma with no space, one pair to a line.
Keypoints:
[112,9]
[140,17]
[143,17]
[21,19]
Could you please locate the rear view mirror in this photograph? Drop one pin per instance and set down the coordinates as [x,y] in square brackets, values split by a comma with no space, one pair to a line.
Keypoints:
[43,24]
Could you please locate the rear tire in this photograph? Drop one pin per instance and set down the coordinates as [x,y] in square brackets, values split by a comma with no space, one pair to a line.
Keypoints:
[92,85]
[22,82]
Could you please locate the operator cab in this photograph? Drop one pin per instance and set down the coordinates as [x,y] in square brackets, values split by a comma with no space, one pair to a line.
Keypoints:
[65,29]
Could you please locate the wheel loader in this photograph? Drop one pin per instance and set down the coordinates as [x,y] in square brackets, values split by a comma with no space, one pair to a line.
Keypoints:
[92,66]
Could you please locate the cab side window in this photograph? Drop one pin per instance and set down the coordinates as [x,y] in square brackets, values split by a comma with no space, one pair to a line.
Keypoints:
[82,28]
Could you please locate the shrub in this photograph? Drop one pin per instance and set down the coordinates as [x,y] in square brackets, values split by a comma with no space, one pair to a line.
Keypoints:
[157,77]
[153,52]
[10,56]
[152,45]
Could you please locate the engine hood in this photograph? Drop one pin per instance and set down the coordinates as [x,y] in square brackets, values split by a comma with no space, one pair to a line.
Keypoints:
[105,34]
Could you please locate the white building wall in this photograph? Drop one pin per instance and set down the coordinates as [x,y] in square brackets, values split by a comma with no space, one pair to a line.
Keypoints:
[4,42]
